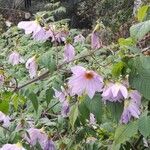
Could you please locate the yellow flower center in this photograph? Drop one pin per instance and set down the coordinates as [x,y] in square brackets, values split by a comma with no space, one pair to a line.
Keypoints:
[126,103]
[19,145]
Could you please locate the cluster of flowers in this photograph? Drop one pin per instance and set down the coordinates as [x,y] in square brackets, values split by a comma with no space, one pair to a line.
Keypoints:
[34,136]
[81,82]
[89,82]
[40,33]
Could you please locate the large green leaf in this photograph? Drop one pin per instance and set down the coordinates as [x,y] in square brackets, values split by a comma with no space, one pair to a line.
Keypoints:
[115,109]
[139,30]
[144,125]
[140,75]
[73,114]
[125,132]
[83,112]
[95,106]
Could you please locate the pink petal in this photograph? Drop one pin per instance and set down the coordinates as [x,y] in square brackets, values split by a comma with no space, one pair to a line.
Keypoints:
[77,70]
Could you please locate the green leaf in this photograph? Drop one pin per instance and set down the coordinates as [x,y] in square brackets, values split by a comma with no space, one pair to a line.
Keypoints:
[48,61]
[144,125]
[139,77]
[115,147]
[115,109]
[95,106]
[73,114]
[139,30]
[4,102]
[49,95]
[125,132]
[15,101]
[142,12]
[118,69]
[34,100]
[83,112]
[126,42]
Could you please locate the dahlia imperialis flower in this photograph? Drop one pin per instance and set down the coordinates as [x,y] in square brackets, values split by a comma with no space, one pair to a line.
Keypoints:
[114,92]
[96,43]
[49,145]
[32,67]
[37,135]
[30,26]
[61,96]
[42,35]
[79,39]
[85,81]
[15,58]
[131,107]
[69,52]
[4,119]
[12,147]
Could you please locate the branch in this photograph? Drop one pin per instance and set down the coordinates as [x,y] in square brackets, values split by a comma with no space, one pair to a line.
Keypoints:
[45,74]
[5,128]
[42,76]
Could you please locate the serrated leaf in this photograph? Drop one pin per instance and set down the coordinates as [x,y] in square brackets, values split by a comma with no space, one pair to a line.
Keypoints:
[4,102]
[125,132]
[73,114]
[138,31]
[48,61]
[142,13]
[118,69]
[144,126]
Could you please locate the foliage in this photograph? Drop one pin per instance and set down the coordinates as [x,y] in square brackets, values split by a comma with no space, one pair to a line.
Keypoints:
[74,119]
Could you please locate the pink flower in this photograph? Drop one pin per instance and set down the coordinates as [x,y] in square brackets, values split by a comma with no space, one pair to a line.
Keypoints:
[36,135]
[61,36]
[50,145]
[96,43]
[15,58]
[62,97]
[32,67]
[79,39]
[2,79]
[131,107]
[69,52]
[12,147]
[85,81]
[4,119]
[42,35]
[30,26]
[114,92]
